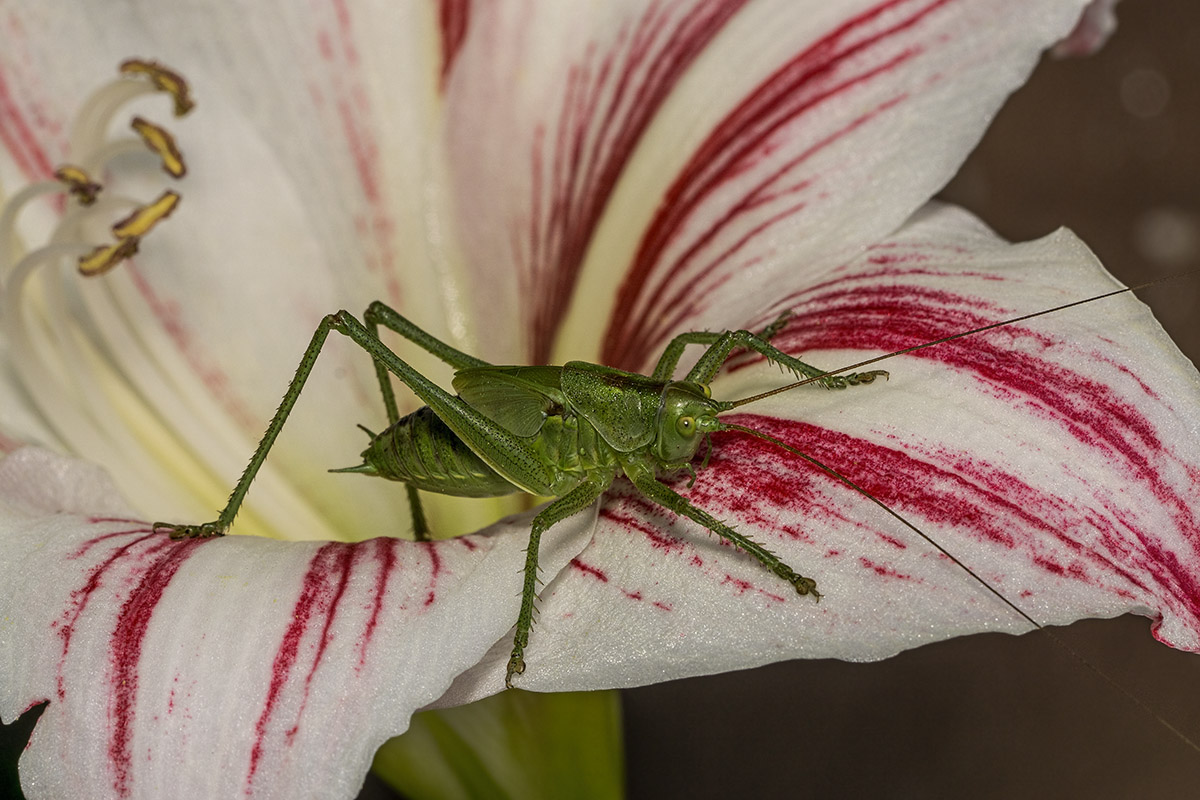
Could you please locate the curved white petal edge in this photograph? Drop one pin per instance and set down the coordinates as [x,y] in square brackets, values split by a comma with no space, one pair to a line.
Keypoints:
[232,667]
[1059,458]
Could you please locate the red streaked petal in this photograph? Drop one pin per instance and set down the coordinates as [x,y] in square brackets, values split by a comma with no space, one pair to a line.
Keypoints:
[834,129]
[1053,457]
[544,112]
[232,667]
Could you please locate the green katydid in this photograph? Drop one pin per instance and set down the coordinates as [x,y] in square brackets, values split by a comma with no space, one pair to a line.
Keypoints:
[565,432]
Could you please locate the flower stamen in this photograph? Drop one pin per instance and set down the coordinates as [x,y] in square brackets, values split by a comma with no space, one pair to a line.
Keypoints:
[78,183]
[161,142]
[129,233]
[141,221]
[52,338]
[107,256]
[99,386]
[164,79]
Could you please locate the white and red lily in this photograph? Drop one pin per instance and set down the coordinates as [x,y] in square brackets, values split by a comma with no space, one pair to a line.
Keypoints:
[539,182]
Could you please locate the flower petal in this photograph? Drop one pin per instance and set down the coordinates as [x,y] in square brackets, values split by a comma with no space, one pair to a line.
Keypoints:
[234,666]
[362,83]
[1096,24]
[1056,458]
[840,121]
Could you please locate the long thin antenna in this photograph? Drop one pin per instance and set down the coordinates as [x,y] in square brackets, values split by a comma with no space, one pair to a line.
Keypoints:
[735,403]
[896,515]
[1115,685]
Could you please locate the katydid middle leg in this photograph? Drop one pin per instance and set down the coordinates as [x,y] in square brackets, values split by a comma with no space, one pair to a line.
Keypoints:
[663,495]
[568,505]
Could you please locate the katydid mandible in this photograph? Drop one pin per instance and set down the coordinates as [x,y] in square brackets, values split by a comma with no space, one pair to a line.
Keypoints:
[565,432]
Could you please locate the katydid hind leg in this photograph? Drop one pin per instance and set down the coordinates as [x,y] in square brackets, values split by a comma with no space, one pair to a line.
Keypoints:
[508,454]
[224,519]
[420,525]
[379,313]
[568,505]
[385,382]
[493,443]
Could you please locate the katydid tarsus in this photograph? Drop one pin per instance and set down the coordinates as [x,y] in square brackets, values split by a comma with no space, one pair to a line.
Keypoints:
[565,432]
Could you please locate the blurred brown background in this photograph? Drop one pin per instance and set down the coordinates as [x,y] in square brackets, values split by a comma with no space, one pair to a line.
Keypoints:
[1108,147]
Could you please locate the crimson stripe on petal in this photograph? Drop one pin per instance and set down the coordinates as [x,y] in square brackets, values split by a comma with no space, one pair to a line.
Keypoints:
[385,558]
[81,597]
[323,588]
[611,94]
[670,267]
[321,591]
[948,490]
[158,565]
[855,313]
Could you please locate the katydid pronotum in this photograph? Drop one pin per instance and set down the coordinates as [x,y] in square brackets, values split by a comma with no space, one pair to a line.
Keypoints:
[565,432]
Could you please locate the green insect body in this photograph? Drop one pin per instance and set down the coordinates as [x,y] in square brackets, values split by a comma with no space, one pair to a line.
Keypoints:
[565,432]
[582,421]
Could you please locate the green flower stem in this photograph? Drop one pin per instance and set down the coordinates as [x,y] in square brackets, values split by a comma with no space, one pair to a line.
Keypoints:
[512,745]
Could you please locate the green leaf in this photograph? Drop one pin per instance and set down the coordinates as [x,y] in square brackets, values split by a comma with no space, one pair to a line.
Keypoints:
[513,745]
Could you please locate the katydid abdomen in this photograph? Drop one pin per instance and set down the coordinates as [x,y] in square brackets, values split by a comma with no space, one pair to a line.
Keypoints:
[421,451]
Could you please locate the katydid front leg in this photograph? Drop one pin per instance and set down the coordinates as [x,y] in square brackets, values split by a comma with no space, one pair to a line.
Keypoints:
[722,344]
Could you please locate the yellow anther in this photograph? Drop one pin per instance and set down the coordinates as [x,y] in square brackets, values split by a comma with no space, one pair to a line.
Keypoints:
[78,183]
[165,79]
[107,256]
[139,223]
[162,143]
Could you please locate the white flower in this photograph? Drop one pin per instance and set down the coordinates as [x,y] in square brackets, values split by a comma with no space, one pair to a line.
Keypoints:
[539,182]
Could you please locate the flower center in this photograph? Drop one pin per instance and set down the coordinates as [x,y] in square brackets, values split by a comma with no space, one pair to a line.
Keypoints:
[94,375]
[58,329]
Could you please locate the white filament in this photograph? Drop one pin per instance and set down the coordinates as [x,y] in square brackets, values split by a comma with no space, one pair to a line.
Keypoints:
[101,380]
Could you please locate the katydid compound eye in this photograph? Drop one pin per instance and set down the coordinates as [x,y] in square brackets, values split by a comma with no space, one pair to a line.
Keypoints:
[686,425]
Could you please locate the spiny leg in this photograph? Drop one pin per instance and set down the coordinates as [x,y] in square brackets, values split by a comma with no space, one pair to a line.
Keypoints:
[724,343]
[569,504]
[669,360]
[221,524]
[379,313]
[496,445]
[505,452]
[648,485]
[376,314]
[721,344]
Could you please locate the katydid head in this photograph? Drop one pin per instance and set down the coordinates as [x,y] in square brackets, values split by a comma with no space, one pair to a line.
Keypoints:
[686,414]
